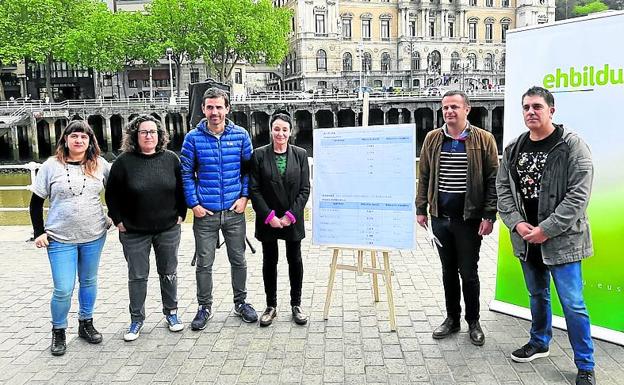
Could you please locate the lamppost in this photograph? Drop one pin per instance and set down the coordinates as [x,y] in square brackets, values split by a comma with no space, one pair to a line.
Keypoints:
[462,66]
[360,51]
[172,98]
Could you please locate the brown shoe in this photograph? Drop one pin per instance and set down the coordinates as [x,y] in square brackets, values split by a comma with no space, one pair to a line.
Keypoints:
[299,316]
[267,317]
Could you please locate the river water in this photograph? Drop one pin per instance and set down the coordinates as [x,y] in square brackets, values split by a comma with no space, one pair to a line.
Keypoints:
[14,198]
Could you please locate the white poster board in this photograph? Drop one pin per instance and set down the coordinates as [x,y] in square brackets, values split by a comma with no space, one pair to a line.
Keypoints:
[364,187]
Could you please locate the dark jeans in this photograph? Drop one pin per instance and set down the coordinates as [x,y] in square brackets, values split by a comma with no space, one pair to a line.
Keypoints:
[269,271]
[569,283]
[136,248]
[459,256]
[206,231]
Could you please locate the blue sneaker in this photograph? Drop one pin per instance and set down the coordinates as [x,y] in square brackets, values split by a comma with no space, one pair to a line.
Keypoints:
[174,323]
[133,331]
[204,313]
[246,312]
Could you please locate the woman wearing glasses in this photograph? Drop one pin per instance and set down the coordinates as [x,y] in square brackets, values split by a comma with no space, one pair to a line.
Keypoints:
[75,229]
[146,203]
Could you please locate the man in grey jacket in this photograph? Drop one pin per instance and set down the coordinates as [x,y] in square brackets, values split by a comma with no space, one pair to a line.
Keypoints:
[544,184]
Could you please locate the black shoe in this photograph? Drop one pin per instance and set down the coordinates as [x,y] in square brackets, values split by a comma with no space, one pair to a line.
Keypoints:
[528,353]
[586,377]
[267,317]
[477,337]
[448,327]
[204,313]
[299,316]
[87,331]
[58,346]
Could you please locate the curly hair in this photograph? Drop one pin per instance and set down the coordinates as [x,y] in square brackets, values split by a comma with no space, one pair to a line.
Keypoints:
[130,140]
[90,160]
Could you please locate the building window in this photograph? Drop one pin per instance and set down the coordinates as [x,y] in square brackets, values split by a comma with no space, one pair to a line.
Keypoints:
[347,62]
[505,3]
[472,31]
[322,84]
[238,76]
[366,29]
[367,62]
[398,84]
[472,61]
[501,65]
[346,29]
[377,83]
[489,3]
[488,61]
[292,24]
[321,60]
[504,28]
[415,61]
[454,61]
[385,62]
[415,83]
[320,24]
[194,76]
[488,33]
[434,61]
[432,28]
[107,80]
[473,3]
[412,28]
[385,29]
[132,83]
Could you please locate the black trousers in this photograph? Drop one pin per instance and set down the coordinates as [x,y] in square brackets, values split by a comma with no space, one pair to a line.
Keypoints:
[269,271]
[459,255]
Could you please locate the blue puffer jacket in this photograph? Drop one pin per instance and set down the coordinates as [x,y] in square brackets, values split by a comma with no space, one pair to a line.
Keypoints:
[214,171]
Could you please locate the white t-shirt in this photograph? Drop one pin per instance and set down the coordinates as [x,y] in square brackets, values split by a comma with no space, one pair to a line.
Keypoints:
[76,214]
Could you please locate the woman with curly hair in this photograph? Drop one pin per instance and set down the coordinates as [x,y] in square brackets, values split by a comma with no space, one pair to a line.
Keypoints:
[75,229]
[146,202]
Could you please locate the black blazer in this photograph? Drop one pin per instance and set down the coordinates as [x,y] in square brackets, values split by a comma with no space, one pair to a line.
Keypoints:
[268,191]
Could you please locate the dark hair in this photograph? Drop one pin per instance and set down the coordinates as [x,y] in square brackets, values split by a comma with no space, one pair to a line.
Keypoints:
[457,92]
[542,92]
[214,93]
[90,160]
[281,116]
[130,141]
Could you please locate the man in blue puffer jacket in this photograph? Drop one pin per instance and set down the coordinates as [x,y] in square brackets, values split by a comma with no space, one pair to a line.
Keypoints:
[215,158]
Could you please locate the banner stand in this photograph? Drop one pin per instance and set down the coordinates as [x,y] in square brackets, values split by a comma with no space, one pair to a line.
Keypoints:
[558,322]
[360,269]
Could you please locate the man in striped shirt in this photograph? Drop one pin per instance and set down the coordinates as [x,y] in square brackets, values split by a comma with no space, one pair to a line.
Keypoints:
[458,166]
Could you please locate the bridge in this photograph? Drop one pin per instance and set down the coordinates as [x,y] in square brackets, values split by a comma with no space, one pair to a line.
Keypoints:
[29,130]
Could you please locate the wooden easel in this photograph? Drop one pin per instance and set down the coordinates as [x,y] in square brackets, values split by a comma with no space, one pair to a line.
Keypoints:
[386,273]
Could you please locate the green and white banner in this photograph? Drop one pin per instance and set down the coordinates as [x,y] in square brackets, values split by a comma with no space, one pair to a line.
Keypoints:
[579,61]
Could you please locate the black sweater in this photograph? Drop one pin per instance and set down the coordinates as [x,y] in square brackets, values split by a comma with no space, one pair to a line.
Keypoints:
[144,192]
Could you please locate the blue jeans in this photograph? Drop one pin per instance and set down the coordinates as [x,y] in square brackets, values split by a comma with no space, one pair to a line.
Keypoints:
[569,283]
[65,260]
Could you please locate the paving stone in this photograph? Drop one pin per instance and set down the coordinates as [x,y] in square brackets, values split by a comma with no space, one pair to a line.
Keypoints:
[354,346]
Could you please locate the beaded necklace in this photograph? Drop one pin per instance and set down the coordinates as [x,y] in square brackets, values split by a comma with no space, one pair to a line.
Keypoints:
[84,181]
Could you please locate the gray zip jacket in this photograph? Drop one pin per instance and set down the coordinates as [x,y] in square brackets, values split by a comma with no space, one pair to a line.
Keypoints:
[563,198]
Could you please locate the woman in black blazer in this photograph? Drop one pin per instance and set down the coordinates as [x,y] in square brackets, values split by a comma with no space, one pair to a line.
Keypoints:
[279,190]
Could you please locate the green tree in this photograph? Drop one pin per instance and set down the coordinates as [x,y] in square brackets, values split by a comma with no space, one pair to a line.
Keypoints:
[109,42]
[37,29]
[591,7]
[242,31]
[175,25]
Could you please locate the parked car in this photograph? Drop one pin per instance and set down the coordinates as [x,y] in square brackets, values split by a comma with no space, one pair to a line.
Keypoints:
[363,89]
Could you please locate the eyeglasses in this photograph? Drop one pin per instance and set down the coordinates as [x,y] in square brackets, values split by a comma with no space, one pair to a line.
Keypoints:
[148,132]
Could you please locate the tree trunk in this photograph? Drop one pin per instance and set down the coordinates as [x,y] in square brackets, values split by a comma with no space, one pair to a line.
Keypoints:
[48,71]
[177,78]
[124,82]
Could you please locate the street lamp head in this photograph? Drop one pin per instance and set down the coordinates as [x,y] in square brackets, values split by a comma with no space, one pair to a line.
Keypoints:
[169,51]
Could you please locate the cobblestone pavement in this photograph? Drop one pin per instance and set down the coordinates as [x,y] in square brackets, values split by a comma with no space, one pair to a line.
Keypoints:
[354,346]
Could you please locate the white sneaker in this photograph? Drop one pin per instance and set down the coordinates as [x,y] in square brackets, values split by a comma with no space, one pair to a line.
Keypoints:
[133,331]
[174,323]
